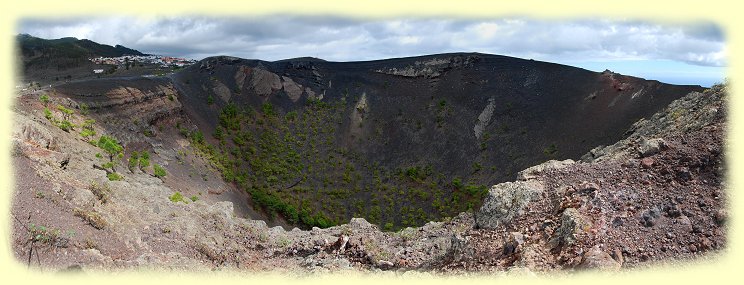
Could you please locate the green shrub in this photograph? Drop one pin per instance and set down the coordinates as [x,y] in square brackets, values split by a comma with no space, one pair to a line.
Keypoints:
[272,204]
[219,134]
[271,179]
[112,148]
[66,126]
[194,198]
[183,131]
[268,109]
[86,133]
[239,139]
[113,176]
[66,113]
[550,150]
[88,130]
[133,161]
[229,118]
[144,160]
[291,116]
[420,194]
[210,100]
[48,114]
[375,213]
[197,137]
[177,197]
[477,167]
[457,182]
[476,190]
[44,99]
[84,109]
[158,170]
[416,173]
[388,226]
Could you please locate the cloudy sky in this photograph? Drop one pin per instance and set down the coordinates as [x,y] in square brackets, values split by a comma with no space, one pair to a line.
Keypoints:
[684,53]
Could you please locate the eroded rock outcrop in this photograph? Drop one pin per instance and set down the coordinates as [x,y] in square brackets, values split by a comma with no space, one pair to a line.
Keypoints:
[595,258]
[535,171]
[265,82]
[573,226]
[506,201]
[431,68]
[34,133]
[484,118]
[692,112]
[294,90]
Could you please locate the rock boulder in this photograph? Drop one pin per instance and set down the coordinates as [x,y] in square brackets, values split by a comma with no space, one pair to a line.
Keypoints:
[506,201]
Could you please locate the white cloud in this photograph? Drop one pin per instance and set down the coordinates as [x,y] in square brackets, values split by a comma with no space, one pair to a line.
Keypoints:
[486,31]
[341,39]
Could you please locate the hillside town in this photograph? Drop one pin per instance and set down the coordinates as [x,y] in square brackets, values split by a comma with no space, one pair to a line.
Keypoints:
[164,61]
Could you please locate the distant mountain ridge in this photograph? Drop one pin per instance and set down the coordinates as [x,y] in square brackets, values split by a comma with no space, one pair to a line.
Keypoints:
[30,43]
[64,53]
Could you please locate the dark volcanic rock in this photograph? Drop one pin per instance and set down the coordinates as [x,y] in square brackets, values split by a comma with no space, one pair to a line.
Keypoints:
[647,162]
[649,216]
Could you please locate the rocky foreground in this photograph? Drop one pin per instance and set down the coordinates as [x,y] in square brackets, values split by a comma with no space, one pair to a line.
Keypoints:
[657,195]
